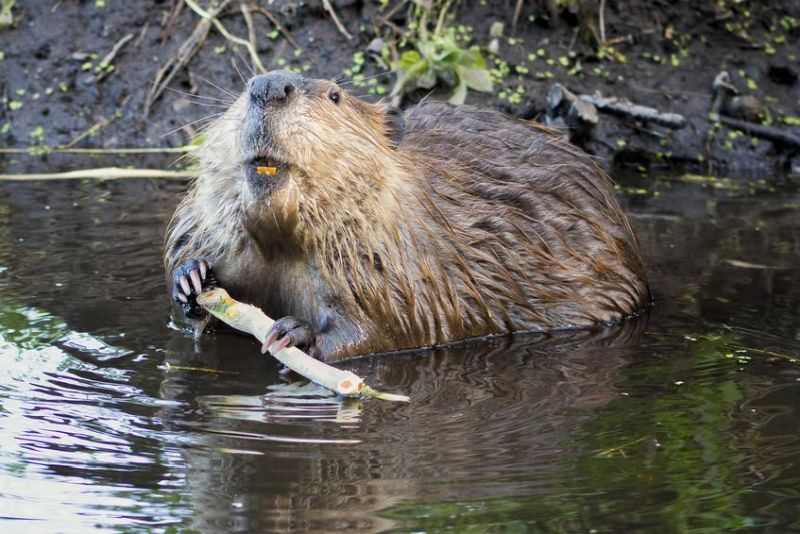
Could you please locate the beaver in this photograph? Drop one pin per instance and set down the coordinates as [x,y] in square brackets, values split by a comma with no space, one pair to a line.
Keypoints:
[370,230]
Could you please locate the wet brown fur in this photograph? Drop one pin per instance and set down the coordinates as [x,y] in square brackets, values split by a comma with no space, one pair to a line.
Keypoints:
[475,224]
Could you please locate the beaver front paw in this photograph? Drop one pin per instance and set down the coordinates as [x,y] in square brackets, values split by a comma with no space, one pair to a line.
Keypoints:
[290,332]
[190,279]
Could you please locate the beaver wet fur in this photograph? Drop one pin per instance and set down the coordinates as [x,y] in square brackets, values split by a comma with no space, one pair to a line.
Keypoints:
[383,230]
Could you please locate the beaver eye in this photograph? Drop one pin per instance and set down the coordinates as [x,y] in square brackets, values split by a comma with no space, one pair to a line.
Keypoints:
[334,96]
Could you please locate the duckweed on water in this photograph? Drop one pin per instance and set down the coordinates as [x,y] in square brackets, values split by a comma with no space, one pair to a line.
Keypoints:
[37,133]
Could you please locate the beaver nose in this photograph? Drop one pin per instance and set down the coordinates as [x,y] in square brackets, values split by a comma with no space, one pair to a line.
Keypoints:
[270,87]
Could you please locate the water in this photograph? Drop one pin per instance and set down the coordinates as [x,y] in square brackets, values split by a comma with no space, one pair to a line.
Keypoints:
[685,420]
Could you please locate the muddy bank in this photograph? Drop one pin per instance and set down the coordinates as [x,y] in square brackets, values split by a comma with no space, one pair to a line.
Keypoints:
[79,73]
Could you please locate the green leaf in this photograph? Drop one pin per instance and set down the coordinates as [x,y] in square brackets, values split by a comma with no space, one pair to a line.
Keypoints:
[408,76]
[473,58]
[460,94]
[477,79]
[408,59]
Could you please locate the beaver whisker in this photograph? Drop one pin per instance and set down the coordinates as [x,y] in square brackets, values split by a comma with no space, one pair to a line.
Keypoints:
[240,55]
[234,96]
[191,123]
[220,101]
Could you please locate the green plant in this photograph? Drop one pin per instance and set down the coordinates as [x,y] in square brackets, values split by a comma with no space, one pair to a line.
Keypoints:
[438,57]
[6,16]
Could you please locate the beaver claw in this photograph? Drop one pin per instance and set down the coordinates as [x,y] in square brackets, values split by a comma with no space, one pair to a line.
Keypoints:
[289,331]
[190,279]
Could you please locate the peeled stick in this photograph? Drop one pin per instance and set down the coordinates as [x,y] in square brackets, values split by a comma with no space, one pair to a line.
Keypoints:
[248,318]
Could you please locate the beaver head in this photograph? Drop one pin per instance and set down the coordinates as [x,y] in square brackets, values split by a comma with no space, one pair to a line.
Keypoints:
[300,146]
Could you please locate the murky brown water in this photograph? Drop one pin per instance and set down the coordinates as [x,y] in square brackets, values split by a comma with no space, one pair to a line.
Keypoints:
[683,420]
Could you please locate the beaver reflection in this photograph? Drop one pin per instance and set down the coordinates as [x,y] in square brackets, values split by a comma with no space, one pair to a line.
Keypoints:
[376,230]
[513,408]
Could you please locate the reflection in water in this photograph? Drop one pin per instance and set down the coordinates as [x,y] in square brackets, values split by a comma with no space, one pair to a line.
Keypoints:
[685,418]
[483,417]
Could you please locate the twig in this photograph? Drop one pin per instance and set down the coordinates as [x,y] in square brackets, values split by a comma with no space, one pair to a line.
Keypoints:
[606,453]
[92,130]
[602,17]
[251,29]
[170,21]
[106,61]
[212,16]
[329,8]
[142,33]
[278,26]
[391,25]
[106,173]
[384,19]
[182,58]
[170,367]
[731,345]
[623,107]
[517,13]
[69,150]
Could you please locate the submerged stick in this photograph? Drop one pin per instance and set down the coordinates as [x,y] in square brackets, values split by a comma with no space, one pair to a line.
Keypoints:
[171,367]
[104,173]
[248,318]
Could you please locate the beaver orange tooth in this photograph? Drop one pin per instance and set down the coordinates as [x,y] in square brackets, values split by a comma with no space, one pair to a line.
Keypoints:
[272,171]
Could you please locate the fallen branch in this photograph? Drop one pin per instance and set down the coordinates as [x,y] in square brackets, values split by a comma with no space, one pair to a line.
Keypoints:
[252,320]
[770,133]
[621,106]
[38,150]
[105,173]
[725,99]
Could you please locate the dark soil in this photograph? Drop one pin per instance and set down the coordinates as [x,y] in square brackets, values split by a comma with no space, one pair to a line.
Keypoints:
[668,55]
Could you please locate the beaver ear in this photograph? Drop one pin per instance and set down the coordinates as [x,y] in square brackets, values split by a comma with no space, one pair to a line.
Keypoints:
[395,126]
